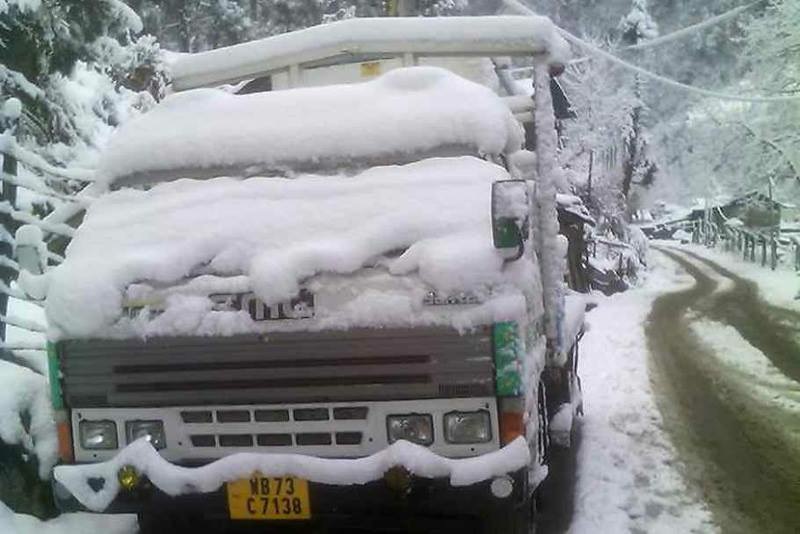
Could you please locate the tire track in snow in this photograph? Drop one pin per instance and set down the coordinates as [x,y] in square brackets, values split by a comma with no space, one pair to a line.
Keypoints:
[774,331]
[742,452]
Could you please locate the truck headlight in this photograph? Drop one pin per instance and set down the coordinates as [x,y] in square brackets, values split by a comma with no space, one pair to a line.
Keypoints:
[152,430]
[417,428]
[468,427]
[98,435]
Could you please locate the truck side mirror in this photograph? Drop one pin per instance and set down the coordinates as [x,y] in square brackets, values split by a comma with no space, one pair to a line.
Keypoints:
[30,249]
[510,208]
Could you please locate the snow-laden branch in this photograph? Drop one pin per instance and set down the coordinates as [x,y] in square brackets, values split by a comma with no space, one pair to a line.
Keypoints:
[27,218]
[23,345]
[26,416]
[27,362]
[773,145]
[25,324]
[9,263]
[21,82]
[17,294]
[8,146]
[515,6]
[36,187]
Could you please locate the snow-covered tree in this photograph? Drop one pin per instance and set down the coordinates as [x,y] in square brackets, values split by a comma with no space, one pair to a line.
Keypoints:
[593,142]
[638,25]
[54,53]
[734,147]
[638,166]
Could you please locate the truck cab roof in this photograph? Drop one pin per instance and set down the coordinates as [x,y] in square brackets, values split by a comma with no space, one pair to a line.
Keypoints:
[402,116]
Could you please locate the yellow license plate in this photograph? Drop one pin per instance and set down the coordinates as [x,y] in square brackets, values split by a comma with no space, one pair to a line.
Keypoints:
[269,498]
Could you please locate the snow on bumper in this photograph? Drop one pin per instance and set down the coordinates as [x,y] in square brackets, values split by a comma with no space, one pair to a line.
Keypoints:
[177,480]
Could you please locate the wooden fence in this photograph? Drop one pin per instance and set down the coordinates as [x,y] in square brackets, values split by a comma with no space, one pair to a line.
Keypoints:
[769,249]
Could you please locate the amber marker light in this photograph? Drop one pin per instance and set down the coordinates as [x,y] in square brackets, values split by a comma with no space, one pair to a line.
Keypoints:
[128,477]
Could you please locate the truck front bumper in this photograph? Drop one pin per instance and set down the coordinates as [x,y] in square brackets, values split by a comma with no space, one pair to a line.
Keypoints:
[427,505]
[400,484]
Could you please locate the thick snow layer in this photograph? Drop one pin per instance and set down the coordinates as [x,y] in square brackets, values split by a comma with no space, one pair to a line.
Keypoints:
[270,235]
[490,36]
[81,523]
[24,394]
[628,478]
[574,313]
[404,111]
[176,480]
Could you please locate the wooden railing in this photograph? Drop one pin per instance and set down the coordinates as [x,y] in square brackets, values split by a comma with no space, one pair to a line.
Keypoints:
[769,249]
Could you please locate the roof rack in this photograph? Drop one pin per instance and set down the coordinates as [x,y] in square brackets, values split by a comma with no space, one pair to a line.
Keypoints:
[370,39]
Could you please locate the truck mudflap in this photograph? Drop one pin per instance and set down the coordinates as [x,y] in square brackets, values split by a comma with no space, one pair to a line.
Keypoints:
[138,475]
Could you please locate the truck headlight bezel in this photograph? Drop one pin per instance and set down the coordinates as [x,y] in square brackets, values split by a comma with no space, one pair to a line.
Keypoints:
[104,428]
[466,428]
[414,427]
[153,429]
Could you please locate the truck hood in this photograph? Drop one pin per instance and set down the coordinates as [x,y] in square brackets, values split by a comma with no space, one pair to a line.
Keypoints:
[272,234]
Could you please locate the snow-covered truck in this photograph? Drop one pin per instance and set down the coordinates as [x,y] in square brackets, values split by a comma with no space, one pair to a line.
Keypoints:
[304,299]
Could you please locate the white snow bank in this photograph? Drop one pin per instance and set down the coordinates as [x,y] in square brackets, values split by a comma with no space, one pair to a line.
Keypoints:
[268,235]
[81,523]
[491,36]
[176,480]
[23,395]
[628,473]
[402,112]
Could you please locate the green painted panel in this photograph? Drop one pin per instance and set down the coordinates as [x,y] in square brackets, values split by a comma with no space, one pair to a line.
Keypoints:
[507,360]
[54,375]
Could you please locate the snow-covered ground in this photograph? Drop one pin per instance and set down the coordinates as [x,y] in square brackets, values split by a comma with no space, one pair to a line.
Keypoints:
[11,523]
[627,474]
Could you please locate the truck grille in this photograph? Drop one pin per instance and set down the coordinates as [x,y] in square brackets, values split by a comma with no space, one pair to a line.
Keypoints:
[214,435]
[363,364]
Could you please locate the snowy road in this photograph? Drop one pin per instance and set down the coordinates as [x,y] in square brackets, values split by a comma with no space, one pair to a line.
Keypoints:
[726,368]
[628,476]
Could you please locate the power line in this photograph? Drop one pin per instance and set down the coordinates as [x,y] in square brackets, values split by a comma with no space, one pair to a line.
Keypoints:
[683,32]
[521,9]
[694,28]
[674,83]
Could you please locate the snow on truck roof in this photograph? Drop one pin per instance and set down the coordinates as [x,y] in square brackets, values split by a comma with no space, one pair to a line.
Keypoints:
[367,38]
[405,111]
[268,235]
